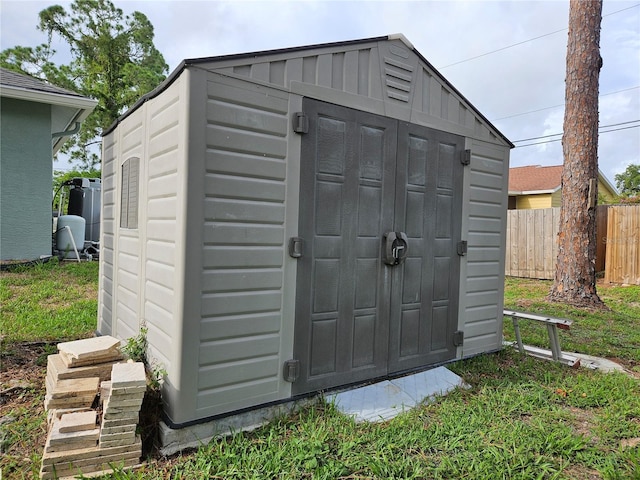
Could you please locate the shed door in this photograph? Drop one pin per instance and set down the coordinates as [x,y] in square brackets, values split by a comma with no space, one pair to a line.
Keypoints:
[363,176]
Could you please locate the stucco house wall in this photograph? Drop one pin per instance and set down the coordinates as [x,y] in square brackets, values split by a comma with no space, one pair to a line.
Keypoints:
[35,118]
[25,180]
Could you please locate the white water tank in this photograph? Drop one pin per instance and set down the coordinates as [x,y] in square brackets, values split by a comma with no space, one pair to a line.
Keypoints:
[63,237]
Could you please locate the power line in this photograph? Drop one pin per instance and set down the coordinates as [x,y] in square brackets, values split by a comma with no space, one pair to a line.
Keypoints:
[556,134]
[559,139]
[501,49]
[525,41]
[561,104]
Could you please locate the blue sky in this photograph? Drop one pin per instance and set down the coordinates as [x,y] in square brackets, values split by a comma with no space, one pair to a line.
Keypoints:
[506,57]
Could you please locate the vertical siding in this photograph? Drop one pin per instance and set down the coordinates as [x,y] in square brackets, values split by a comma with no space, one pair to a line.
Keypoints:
[484,282]
[107,233]
[164,161]
[531,243]
[243,247]
[400,84]
[138,276]
[623,244]
[127,240]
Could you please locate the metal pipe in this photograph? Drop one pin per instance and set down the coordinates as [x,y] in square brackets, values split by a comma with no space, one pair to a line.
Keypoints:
[73,242]
[67,133]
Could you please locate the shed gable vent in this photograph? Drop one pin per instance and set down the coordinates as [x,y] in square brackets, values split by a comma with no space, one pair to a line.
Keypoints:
[398,78]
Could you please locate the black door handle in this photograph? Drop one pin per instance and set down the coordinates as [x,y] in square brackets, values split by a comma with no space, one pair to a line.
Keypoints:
[396,246]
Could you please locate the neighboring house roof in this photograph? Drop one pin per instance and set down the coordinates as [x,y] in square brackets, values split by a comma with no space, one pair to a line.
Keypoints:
[9,78]
[534,179]
[538,179]
[68,108]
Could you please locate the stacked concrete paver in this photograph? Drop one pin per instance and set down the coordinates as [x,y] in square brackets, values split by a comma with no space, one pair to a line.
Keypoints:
[93,402]
[121,407]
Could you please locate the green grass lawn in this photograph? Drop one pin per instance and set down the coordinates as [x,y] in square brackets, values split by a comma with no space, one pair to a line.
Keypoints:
[614,334]
[51,301]
[521,418]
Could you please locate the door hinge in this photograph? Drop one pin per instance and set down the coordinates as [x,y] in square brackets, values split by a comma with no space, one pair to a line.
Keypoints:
[458,338]
[465,157]
[295,247]
[300,122]
[462,247]
[291,370]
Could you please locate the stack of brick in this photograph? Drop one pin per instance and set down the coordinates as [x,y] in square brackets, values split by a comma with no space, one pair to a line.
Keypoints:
[80,440]
[122,402]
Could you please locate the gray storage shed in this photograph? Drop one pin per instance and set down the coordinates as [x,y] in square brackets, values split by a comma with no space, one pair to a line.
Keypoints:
[296,220]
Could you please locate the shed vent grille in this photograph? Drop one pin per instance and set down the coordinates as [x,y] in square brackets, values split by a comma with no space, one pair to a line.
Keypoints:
[398,79]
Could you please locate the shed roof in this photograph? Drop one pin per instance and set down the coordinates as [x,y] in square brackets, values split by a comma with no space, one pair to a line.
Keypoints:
[235,63]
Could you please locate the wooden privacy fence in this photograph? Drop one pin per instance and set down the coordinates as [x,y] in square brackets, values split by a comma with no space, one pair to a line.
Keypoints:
[532,248]
[531,243]
[623,245]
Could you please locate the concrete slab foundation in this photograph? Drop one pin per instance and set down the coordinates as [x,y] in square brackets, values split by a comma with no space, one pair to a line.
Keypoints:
[194,436]
[384,400]
[374,402]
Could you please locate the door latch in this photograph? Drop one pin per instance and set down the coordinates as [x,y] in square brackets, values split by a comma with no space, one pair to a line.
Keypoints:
[396,246]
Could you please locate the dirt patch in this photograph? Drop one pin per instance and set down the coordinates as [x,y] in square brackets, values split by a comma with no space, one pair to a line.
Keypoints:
[22,429]
[629,442]
[578,472]
[582,422]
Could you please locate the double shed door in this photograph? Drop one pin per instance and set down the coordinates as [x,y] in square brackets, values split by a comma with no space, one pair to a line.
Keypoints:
[362,177]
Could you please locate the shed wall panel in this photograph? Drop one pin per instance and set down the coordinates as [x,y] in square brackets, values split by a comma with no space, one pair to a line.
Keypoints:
[107,233]
[243,242]
[254,166]
[226,397]
[166,144]
[127,240]
[241,325]
[161,340]
[225,233]
[241,371]
[486,217]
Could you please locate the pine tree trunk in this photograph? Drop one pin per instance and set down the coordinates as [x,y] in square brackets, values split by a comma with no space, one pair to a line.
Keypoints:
[575,278]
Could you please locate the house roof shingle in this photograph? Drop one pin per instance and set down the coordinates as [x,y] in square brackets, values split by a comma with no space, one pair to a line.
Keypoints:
[534,178]
[9,78]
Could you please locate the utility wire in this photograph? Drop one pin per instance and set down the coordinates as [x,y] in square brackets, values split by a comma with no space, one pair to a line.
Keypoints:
[525,41]
[501,49]
[561,104]
[556,134]
[559,139]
